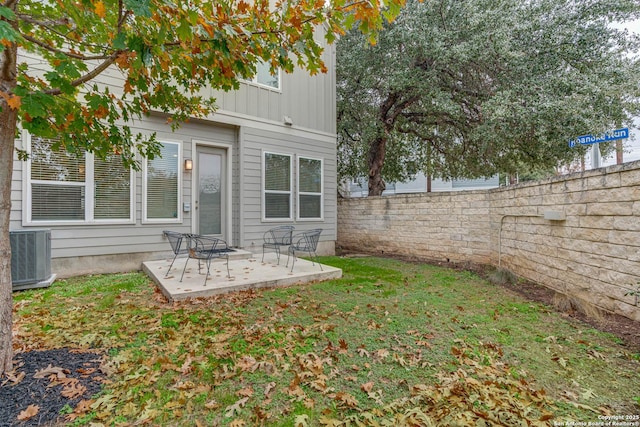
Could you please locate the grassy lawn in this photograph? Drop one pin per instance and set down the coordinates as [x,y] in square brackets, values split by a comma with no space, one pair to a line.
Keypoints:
[389,343]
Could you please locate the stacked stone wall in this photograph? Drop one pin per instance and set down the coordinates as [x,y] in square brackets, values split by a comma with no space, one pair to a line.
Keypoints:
[593,253]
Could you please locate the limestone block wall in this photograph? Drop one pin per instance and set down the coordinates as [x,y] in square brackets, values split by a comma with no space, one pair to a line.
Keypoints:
[444,226]
[593,253]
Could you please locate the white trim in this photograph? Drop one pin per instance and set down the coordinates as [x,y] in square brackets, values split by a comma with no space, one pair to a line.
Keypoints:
[263,204]
[228,202]
[299,193]
[254,80]
[178,219]
[89,193]
[230,118]
[241,183]
[264,86]
[89,189]
[26,179]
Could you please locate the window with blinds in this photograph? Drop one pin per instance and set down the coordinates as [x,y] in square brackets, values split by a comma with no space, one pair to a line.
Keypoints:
[162,184]
[58,186]
[277,186]
[77,186]
[309,188]
[112,184]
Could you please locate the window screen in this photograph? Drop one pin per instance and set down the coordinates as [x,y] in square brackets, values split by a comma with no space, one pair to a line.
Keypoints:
[162,183]
[309,188]
[277,186]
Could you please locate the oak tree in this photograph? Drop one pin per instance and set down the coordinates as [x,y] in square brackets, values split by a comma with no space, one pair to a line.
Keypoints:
[167,51]
[466,89]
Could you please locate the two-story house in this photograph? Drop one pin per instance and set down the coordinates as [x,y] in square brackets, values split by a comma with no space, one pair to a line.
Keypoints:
[267,157]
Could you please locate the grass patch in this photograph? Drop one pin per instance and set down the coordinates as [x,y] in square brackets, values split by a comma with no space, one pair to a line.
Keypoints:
[388,341]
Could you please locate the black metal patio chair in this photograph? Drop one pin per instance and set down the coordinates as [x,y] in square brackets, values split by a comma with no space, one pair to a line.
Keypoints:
[276,238]
[307,241]
[206,249]
[175,240]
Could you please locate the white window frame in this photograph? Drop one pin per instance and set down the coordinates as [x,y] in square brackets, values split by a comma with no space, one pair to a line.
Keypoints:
[263,190]
[89,194]
[303,193]
[254,81]
[145,167]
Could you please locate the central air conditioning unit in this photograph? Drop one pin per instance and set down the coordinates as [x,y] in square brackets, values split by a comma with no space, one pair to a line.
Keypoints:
[31,259]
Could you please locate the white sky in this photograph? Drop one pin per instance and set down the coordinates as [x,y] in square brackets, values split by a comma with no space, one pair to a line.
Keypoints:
[631,146]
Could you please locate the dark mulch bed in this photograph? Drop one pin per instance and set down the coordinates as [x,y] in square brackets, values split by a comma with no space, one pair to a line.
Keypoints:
[67,377]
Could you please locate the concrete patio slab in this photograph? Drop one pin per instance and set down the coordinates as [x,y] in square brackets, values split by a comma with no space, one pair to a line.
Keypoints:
[246,269]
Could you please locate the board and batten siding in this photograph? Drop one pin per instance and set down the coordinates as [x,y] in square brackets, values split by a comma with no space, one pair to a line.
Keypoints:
[257,141]
[308,100]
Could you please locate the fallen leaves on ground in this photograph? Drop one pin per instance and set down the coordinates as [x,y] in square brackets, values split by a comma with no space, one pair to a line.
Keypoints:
[257,357]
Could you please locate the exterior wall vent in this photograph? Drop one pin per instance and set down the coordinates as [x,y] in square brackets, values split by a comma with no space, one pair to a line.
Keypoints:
[31,259]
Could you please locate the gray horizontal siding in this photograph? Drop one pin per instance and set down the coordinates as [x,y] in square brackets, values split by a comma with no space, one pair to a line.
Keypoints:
[254,142]
[76,240]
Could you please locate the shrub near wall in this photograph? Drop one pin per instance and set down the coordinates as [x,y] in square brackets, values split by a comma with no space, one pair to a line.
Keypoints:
[593,254]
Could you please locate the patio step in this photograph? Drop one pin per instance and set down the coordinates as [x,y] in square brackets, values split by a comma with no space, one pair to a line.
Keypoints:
[239,254]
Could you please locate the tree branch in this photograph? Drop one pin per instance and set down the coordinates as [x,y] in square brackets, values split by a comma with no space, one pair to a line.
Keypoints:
[47,26]
[69,54]
[90,75]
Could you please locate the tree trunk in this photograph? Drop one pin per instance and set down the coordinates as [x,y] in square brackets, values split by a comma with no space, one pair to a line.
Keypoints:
[619,151]
[377,151]
[8,120]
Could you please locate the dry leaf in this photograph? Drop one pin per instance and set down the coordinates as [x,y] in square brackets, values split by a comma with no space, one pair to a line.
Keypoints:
[245,392]
[595,354]
[246,363]
[347,399]
[14,102]
[212,404]
[51,370]
[344,346]
[234,409]
[269,388]
[185,385]
[83,407]
[85,372]
[12,377]
[382,353]
[73,389]
[186,366]
[588,394]
[367,387]
[30,412]
[301,421]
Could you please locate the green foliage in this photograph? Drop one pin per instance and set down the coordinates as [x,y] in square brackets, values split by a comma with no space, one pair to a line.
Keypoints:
[469,89]
[167,53]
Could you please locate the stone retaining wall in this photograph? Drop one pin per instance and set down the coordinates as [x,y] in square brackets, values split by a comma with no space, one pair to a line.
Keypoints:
[594,253]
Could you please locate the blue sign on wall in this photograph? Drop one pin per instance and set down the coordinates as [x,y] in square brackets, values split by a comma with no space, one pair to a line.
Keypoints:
[606,137]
